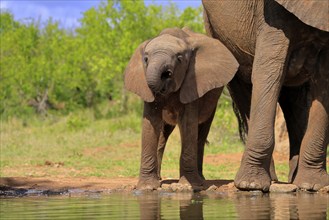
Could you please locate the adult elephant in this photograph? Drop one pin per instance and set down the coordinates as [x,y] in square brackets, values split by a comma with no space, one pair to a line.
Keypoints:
[282,47]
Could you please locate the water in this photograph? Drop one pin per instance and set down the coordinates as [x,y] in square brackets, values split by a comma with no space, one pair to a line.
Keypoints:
[137,205]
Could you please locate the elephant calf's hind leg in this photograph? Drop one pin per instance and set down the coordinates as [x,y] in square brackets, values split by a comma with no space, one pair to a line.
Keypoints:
[164,135]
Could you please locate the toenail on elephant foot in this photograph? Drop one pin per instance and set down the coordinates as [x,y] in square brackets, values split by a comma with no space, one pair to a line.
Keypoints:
[253,178]
[311,179]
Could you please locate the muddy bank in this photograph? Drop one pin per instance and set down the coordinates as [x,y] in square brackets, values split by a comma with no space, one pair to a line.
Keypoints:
[28,186]
[31,186]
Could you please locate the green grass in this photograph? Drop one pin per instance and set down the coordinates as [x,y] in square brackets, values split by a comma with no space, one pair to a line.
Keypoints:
[77,140]
[107,145]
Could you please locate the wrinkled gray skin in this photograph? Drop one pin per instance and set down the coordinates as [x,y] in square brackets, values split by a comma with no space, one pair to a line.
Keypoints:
[282,59]
[180,76]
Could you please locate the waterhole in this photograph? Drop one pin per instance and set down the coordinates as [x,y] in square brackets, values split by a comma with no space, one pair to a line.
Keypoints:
[164,205]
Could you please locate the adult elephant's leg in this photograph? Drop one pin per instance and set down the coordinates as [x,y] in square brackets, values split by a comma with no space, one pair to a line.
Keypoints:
[152,123]
[294,102]
[241,108]
[311,173]
[188,125]
[164,135]
[202,138]
[267,77]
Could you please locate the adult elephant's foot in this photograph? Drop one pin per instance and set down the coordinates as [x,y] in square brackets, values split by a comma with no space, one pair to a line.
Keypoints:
[311,179]
[252,177]
[148,183]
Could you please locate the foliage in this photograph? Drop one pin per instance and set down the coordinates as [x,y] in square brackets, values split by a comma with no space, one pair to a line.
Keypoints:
[47,67]
[75,78]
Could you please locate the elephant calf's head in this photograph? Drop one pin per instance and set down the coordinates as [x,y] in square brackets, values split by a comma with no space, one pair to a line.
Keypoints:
[179,60]
[166,60]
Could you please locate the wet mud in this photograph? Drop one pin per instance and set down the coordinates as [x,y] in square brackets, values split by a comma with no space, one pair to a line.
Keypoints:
[24,187]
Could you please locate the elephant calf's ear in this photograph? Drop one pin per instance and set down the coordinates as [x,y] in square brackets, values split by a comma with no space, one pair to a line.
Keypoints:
[211,66]
[134,76]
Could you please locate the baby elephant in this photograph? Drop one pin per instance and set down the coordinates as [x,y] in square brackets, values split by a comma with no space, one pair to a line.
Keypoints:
[180,76]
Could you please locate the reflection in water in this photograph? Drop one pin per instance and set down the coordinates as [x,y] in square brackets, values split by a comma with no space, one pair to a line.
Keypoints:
[155,206]
[190,208]
[242,205]
[160,205]
[300,205]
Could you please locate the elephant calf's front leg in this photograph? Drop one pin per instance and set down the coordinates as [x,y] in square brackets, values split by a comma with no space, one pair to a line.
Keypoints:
[148,177]
[189,134]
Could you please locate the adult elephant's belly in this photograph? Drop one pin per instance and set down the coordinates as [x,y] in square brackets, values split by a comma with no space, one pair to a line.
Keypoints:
[301,64]
[297,79]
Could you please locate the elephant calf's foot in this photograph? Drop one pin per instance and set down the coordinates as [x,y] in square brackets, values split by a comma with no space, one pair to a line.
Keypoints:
[193,179]
[201,176]
[251,177]
[148,183]
[311,179]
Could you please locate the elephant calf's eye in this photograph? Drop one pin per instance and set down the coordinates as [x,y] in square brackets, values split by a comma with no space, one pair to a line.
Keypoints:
[180,58]
[146,59]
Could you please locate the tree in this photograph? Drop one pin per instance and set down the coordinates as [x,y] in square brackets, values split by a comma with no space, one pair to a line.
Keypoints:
[43,65]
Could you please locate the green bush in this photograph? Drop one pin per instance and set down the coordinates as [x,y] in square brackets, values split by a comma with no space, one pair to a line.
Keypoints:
[46,67]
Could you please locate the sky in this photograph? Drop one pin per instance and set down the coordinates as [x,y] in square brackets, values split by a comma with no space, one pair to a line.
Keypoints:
[67,12]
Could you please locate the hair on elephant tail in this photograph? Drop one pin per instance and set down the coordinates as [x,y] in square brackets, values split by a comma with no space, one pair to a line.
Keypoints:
[241,102]
[243,127]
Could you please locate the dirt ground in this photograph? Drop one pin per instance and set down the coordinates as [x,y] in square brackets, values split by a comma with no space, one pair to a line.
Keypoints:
[56,183]
[40,179]
[88,183]
[56,176]
[64,182]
